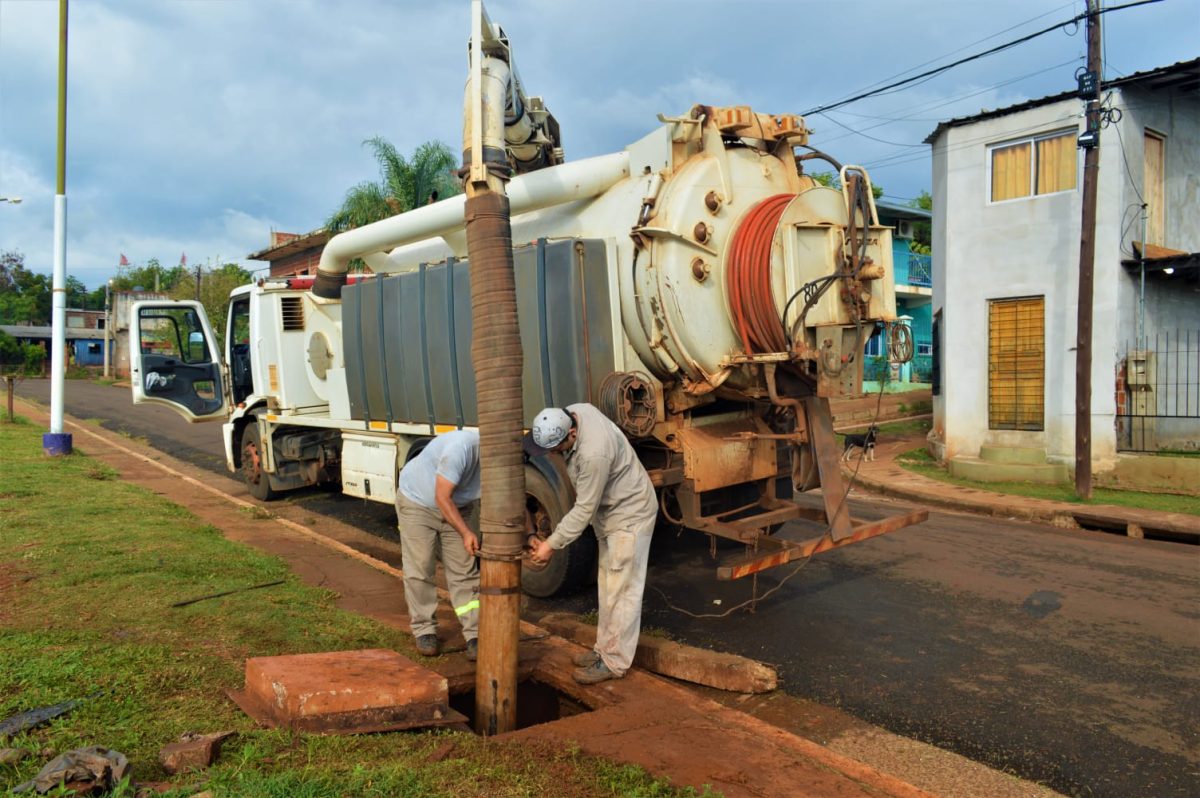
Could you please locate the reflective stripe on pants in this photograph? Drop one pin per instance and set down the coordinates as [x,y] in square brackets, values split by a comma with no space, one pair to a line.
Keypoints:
[425,537]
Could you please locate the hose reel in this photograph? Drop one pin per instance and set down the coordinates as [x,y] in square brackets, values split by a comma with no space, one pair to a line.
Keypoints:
[900,342]
[627,398]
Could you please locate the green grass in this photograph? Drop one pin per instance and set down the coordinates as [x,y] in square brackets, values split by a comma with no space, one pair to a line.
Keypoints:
[89,566]
[895,429]
[921,462]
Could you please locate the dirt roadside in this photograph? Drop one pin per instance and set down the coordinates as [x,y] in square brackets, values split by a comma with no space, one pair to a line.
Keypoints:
[709,743]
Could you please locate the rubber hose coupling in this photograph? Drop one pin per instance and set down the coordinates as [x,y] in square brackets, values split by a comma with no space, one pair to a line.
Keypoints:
[328,285]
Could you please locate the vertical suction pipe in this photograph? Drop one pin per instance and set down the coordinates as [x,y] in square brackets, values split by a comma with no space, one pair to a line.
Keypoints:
[496,352]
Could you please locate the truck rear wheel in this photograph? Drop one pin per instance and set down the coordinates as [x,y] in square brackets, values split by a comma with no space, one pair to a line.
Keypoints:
[253,475]
[568,569]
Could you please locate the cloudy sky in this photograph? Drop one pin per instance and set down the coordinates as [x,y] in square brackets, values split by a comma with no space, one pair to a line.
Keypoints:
[198,126]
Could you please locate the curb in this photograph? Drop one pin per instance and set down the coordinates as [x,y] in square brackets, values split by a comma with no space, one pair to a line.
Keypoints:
[1063,516]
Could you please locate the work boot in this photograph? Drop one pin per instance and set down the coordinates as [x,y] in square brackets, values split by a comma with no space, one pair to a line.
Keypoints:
[587,659]
[427,645]
[472,649]
[593,674]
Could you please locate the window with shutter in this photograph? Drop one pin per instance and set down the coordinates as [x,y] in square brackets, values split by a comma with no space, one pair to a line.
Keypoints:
[1152,180]
[1016,363]
[1039,165]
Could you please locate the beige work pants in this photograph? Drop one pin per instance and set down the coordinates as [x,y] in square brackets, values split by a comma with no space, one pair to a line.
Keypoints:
[426,537]
[620,581]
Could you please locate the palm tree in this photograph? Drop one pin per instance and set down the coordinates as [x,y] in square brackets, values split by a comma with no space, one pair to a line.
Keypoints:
[403,184]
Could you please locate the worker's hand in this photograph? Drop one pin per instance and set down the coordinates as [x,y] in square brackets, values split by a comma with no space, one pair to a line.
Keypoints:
[470,543]
[540,552]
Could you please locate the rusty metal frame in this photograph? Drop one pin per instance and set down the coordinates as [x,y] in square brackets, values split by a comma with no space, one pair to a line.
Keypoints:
[772,552]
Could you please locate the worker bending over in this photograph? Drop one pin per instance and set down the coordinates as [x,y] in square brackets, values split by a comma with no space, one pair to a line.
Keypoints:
[439,489]
[613,493]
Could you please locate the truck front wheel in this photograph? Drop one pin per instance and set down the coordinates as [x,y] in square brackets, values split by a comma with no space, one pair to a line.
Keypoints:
[569,568]
[252,472]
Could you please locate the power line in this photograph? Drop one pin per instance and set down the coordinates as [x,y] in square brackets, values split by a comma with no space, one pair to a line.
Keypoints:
[912,117]
[970,44]
[904,157]
[999,48]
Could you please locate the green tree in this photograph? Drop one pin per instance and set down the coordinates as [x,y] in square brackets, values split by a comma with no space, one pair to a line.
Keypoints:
[831,179]
[77,293]
[24,295]
[19,358]
[403,184]
[215,285]
[152,276]
[922,241]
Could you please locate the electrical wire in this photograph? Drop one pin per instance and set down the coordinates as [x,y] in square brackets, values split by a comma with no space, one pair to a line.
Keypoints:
[947,67]
[966,46]
[900,158]
[929,107]
[896,159]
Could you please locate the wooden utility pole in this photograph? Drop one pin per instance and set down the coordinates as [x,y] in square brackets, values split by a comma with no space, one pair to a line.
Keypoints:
[1087,257]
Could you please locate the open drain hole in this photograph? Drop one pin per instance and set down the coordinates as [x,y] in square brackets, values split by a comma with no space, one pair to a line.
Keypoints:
[537,703]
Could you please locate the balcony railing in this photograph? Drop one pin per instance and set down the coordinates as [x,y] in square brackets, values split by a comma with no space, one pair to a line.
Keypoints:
[920,270]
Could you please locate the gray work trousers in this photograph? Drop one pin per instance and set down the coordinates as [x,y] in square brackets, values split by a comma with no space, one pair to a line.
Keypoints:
[620,581]
[424,538]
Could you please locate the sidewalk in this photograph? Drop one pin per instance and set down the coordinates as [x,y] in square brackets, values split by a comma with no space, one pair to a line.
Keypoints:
[885,476]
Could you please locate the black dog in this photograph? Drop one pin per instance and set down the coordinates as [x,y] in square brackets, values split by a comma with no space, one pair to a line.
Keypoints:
[866,442]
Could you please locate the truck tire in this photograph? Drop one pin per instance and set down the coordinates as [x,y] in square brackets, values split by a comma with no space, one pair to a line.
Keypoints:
[252,474]
[569,568]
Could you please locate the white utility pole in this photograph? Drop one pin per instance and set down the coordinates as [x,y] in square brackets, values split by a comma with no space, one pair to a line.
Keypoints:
[56,442]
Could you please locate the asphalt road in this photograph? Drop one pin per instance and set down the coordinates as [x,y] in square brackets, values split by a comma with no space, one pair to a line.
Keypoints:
[1068,658]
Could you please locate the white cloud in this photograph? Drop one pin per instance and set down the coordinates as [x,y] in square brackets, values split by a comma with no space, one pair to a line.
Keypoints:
[192,122]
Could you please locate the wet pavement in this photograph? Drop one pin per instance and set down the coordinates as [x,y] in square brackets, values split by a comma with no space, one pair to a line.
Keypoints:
[1066,657]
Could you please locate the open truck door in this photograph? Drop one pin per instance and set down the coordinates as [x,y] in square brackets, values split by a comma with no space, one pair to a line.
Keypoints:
[174,361]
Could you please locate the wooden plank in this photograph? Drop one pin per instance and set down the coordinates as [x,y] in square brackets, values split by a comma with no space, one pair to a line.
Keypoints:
[696,665]
[1154,251]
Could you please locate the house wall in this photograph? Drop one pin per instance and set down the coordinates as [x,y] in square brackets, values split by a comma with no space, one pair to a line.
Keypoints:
[1023,247]
[1171,303]
[88,351]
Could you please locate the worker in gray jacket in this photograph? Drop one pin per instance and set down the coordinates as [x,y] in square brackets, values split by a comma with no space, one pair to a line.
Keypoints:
[438,491]
[613,493]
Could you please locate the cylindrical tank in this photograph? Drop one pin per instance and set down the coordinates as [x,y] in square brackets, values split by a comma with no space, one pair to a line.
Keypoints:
[702,193]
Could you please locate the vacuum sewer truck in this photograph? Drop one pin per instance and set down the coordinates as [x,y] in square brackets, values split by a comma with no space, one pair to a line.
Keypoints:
[699,287]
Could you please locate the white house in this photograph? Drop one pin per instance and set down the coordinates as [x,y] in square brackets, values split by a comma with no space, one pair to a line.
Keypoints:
[1006,238]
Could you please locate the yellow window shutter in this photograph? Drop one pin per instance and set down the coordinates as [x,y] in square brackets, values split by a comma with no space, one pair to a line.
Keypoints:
[1056,164]
[1152,182]
[1016,363]
[1010,172]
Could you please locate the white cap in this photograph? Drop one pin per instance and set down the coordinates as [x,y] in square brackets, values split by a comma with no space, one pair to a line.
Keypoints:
[551,427]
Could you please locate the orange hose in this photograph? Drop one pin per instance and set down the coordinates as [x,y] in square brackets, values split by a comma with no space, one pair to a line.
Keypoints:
[748,278]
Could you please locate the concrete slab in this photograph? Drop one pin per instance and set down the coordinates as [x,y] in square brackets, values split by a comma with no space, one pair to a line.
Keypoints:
[344,692]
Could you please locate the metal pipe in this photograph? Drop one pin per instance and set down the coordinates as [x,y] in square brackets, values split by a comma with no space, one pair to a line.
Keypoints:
[56,442]
[107,322]
[1141,344]
[534,191]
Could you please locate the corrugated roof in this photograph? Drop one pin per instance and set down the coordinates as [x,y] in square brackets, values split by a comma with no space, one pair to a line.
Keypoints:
[317,238]
[1182,75]
[32,331]
[895,211]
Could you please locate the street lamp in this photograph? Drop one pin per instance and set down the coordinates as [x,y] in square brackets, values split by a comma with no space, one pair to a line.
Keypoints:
[107,323]
[13,200]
